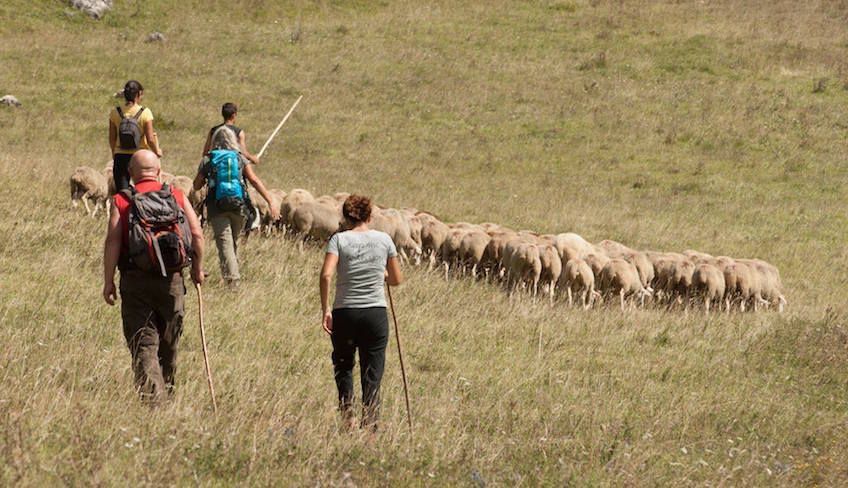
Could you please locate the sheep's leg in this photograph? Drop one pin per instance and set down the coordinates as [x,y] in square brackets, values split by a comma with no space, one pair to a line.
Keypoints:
[742,305]
[552,291]
[74,201]
[85,202]
[781,303]
[447,270]
[707,304]
[621,298]
[570,297]
[586,298]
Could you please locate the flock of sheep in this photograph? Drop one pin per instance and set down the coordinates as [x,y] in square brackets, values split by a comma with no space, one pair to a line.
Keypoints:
[561,265]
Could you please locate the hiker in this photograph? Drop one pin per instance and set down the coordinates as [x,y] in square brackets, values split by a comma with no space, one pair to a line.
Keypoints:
[229,111]
[130,130]
[365,260]
[151,288]
[227,201]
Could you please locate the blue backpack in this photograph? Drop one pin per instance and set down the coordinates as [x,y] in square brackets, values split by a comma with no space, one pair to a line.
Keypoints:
[225,181]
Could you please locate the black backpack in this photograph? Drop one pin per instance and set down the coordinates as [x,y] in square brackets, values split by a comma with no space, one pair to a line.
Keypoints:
[159,234]
[129,130]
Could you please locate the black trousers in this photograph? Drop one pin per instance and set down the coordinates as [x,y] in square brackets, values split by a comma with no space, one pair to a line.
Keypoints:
[121,171]
[365,329]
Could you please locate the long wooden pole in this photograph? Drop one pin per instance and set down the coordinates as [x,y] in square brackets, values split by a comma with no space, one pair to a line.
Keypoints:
[400,357]
[280,126]
[205,352]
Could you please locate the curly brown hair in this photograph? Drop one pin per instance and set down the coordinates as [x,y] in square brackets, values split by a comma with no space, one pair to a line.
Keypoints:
[357,209]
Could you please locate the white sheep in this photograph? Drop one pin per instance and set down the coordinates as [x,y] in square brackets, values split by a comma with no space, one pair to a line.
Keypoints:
[313,220]
[433,235]
[291,202]
[577,277]
[89,184]
[472,247]
[524,265]
[708,282]
[620,276]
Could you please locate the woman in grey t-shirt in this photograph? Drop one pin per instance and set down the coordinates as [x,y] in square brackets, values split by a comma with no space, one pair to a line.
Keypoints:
[365,259]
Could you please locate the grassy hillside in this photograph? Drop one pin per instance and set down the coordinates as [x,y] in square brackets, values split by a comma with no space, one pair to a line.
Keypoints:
[665,125]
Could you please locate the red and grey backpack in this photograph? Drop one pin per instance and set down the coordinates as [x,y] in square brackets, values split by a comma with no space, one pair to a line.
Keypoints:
[159,234]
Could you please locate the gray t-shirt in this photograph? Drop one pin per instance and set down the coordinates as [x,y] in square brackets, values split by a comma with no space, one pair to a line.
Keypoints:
[362,264]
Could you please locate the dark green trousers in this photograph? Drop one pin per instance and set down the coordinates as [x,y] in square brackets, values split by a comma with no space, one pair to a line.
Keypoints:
[152,309]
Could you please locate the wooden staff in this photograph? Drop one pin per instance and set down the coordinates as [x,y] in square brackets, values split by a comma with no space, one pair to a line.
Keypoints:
[205,353]
[280,126]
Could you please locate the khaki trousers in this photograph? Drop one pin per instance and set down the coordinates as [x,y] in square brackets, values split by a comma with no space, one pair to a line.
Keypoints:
[227,227]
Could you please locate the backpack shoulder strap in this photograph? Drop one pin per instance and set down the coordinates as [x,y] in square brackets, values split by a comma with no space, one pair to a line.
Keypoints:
[120,112]
[138,114]
[128,193]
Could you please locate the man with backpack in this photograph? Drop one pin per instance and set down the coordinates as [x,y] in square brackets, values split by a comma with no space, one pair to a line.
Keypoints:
[153,234]
[229,111]
[224,169]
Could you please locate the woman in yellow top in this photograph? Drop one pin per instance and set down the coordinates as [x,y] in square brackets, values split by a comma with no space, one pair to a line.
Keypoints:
[130,129]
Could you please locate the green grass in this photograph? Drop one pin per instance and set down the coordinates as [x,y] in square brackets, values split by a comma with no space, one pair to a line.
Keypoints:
[700,130]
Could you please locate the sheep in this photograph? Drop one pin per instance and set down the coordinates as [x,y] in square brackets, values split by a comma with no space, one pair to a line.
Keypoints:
[596,261]
[472,247]
[770,282]
[316,221]
[197,199]
[613,248]
[263,208]
[577,277]
[574,244]
[89,184]
[493,256]
[330,201]
[182,183]
[622,277]
[743,284]
[490,227]
[551,267]
[433,234]
[110,179]
[525,265]
[392,222]
[698,257]
[410,215]
[166,178]
[708,281]
[450,246]
[291,202]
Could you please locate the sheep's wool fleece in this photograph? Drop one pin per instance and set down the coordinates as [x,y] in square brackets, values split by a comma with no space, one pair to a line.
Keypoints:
[94,8]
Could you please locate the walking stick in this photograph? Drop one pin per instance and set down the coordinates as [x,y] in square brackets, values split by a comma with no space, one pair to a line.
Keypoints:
[400,356]
[280,126]
[205,353]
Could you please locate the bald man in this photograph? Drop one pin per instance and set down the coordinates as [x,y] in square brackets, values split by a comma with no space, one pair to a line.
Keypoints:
[151,304]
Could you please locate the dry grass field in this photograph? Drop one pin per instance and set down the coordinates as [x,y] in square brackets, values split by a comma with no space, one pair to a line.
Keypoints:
[666,125]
